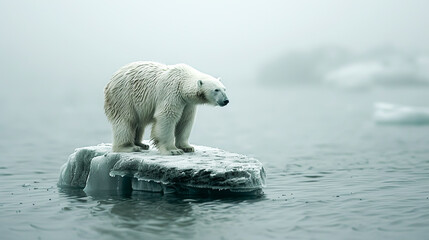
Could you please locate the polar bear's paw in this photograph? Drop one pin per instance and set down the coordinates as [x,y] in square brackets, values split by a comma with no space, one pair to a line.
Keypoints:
[187,149]
[142,146]
[127,148]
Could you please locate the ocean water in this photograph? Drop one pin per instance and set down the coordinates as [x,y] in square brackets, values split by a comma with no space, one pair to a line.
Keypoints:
[332,173]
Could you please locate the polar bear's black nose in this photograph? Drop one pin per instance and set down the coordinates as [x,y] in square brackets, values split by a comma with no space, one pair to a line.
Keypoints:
[225,102]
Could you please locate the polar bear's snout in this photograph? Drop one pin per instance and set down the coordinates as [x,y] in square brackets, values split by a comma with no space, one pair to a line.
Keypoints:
[224,103]
[221,98]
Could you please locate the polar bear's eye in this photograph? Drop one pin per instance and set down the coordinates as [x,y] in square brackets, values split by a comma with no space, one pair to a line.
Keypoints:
[217,90]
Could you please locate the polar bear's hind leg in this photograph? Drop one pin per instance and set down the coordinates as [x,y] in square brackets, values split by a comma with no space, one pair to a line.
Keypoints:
[163,133]
[123,138]
[139,136]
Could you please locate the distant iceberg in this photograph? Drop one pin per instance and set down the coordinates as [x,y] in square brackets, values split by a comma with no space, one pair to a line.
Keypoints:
[383,66]
[386,113]
[207,171]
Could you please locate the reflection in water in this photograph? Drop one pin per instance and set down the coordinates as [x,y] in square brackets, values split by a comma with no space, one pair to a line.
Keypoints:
[149,214]
[75,193]
[153,213]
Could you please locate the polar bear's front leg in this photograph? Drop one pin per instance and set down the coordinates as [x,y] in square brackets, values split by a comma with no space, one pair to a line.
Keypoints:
[163,132]
[184,127]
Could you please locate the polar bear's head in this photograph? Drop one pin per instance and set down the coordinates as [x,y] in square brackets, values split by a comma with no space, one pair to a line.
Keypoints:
[213,91]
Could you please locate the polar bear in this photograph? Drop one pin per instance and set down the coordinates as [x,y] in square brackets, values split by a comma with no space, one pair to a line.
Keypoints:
[143,93]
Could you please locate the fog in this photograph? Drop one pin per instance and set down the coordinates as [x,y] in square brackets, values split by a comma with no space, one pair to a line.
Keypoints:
[69,43]
[56,53]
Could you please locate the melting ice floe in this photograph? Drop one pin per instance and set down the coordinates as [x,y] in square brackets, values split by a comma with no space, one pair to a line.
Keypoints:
[208,170]
[387,113]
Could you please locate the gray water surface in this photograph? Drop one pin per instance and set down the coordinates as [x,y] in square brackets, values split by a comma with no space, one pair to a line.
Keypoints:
[331,172]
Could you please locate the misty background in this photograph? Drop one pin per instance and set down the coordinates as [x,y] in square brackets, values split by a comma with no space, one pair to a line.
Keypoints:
[57,56]
[64,43]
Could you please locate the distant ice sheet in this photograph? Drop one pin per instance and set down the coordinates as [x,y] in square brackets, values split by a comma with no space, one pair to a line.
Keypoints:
[208,170]
[386,113]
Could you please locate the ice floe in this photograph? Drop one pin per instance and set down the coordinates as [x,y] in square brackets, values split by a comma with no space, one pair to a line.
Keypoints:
[206,171]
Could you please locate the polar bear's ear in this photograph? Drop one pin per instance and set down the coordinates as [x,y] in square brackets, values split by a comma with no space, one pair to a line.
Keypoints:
[200,83]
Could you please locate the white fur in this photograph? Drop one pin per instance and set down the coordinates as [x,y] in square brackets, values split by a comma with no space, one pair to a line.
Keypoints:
[143,93]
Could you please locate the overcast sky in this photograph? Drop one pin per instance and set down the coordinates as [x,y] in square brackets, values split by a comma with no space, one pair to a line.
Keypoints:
[88,40]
